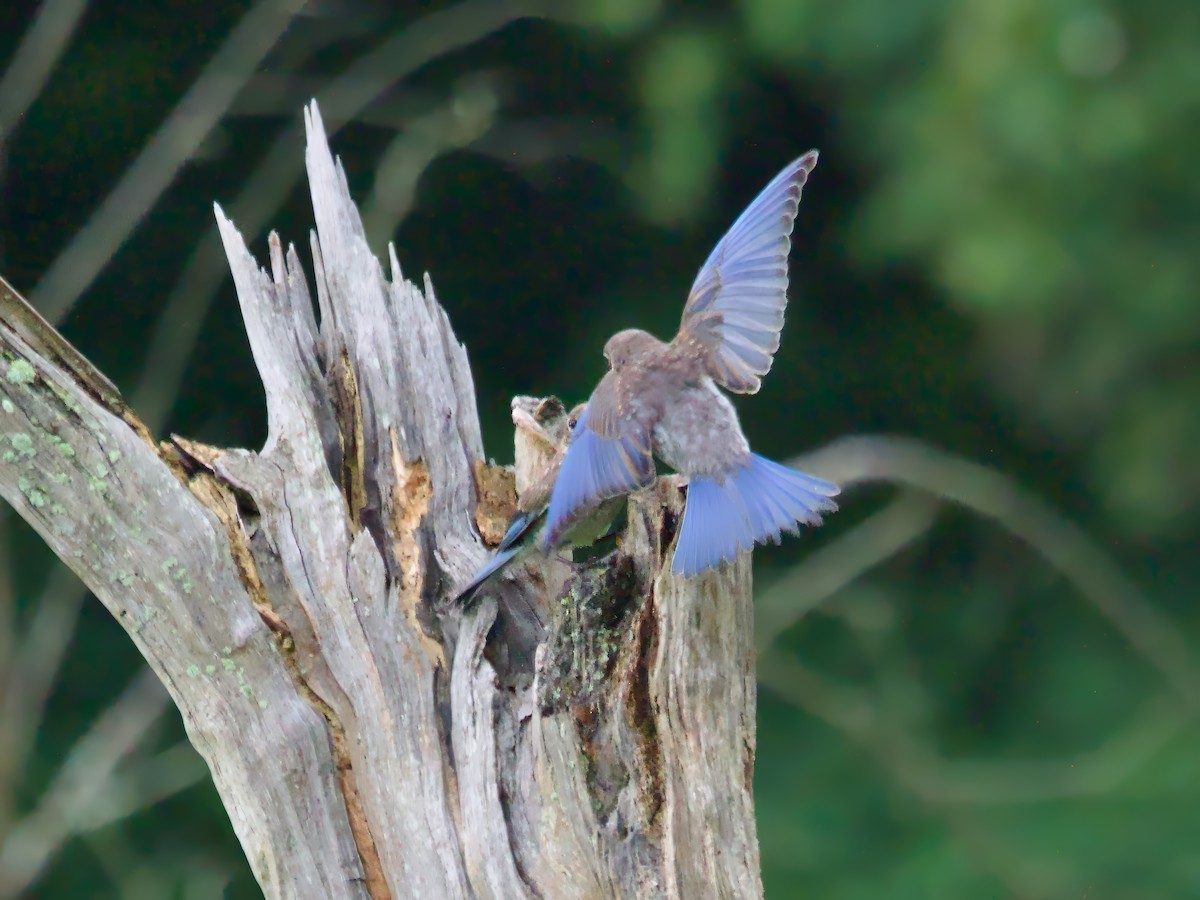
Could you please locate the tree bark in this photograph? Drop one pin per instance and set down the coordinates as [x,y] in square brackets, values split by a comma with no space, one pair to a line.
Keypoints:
[582,733]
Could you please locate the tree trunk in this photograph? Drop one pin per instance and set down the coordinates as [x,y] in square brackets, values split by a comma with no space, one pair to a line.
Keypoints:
[569,735]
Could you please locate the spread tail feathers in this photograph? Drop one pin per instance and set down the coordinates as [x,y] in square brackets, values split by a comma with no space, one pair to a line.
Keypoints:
[756,503]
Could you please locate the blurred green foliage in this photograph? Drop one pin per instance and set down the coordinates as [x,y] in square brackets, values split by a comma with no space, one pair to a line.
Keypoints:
[996,255]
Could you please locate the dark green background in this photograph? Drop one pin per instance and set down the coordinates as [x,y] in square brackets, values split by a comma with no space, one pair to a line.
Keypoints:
[997,256]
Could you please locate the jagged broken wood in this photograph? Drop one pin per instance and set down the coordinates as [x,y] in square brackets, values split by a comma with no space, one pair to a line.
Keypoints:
[582,736]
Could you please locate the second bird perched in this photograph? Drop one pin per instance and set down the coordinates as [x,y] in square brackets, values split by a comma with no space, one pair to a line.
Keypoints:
[664,399]
[546,425]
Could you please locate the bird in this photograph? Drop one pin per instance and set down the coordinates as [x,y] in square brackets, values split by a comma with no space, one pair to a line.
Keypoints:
[665,400]
[545,424]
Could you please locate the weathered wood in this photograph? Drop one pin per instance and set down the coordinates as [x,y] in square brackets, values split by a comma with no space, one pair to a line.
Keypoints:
[585,734]
[107,503]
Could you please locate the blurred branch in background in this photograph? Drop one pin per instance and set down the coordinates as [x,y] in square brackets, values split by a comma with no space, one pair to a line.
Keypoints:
[152,172]
[189,873]
[30,671]
[878,719]
[269,184]
[85,780]
[827,570]
[533,142]
[41,46]
[917,768]
[863,459]
[943,476]
[212,95]
[468,116]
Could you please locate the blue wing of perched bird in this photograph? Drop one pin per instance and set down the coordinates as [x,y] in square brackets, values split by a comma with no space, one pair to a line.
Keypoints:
[608,456]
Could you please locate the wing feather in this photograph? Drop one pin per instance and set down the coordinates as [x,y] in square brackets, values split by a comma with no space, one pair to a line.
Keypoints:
[736,305]
[609,455]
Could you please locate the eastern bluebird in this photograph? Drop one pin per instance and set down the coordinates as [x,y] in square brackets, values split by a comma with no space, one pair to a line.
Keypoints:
[548,426]
[660,399]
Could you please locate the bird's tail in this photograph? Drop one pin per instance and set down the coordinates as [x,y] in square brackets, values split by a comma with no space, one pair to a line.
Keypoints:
[490,568]
[755,503]
[516,542]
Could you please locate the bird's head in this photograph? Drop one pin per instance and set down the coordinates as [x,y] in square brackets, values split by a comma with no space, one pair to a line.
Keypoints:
[631,347]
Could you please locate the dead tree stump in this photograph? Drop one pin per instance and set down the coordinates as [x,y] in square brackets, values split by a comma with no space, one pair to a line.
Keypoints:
[581,736]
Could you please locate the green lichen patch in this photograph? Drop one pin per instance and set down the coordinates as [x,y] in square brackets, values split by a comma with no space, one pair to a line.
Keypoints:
[193,671]
[7,406]
[246,691]
[178,574]
[66,398]
[22,446]
[20,372]
[65,450]
[114,455]
[587,628]
[147,614]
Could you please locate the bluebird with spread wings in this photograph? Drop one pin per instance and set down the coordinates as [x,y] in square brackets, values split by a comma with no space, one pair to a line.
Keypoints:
[664,399]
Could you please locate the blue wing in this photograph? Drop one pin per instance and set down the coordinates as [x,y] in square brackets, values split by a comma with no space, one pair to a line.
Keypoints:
[608,456]
[736,305]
